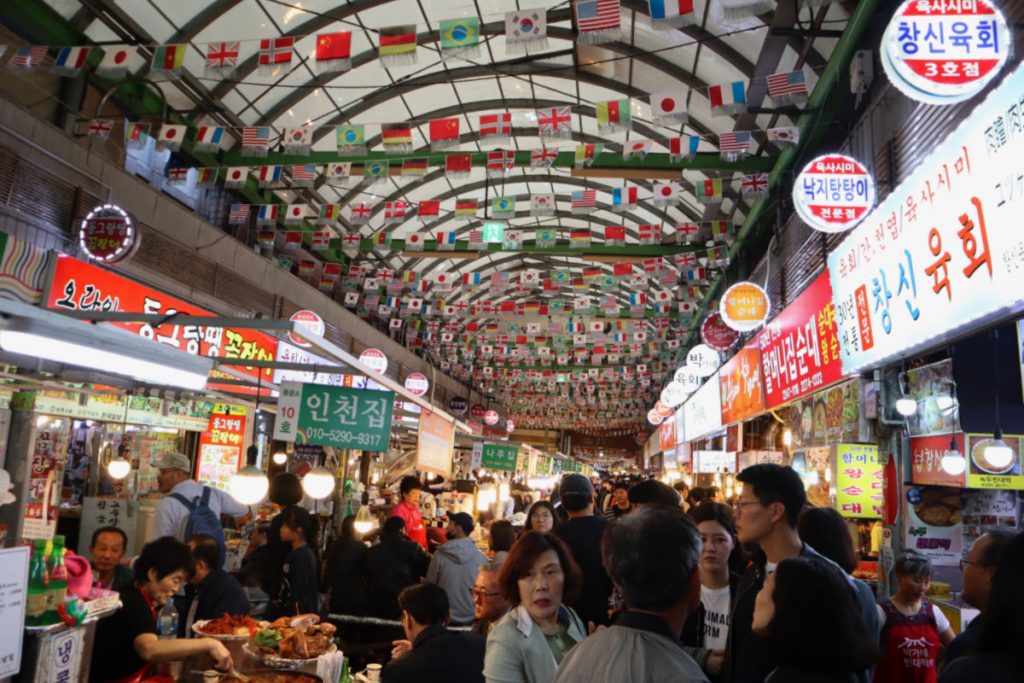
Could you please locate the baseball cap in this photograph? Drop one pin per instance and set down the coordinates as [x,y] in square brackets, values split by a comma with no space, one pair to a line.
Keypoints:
[173,461]
[463,520]
[575,485]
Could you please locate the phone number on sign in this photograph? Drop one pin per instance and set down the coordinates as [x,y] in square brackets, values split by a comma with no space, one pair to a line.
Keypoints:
[339,436]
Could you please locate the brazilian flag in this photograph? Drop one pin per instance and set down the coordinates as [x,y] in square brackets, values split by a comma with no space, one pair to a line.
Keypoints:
[375,171]
[457,34]
[503,205]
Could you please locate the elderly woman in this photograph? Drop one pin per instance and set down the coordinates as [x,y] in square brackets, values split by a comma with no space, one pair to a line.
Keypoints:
[529,642]
[128,638]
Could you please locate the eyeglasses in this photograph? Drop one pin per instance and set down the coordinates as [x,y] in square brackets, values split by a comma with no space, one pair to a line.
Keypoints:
[479,594]
[740,504]
[965,562]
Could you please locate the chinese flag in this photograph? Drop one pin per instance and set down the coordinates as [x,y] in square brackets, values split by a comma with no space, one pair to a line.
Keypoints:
[334,45]
[457,162]
[444,129]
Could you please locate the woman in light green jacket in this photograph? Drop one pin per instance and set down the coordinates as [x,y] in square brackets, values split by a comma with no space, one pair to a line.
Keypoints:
[528,643]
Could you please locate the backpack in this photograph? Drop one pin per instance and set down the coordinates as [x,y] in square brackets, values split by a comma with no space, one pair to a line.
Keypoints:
[203,520]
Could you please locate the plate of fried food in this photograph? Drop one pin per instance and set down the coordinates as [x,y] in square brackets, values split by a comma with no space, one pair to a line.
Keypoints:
[228,627]
[292,642]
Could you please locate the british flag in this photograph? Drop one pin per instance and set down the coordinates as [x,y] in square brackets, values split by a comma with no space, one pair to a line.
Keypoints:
[359,212]
[555,122]
[755,185]
[500,162]
[543,157]
[100,128]
[221,57]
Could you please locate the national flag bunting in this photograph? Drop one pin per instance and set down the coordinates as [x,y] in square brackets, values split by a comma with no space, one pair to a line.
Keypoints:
[669,108]
[667,14]
[583,201]
[615,236]
[414,167]
[328,213]
[168,60]
[413,242]
[542,204]
[398,45]
[500,163]
[613,115]
[135,134]
[221,59]
[495,127]
[255,141]
[624,198]
[351,138]
[267,214]
[359,212]
[333,52]
[460,38]
[338,172]
[208,138]
[171,136]
[598,21]
[555,122]
[650,233]
[444,133]
[274,53]
[238,214]
[465,208]
[636,149]
[116,61]
[395,212]
[458,166]
[303,175]
[396,137]
[543,158]
[350,243]
[526,29]
[100,128]
[376,171]
[206,176]
[70,60]
[295,213]
[579,239]
[503,207]
[787,88]
[269,176]
[754,185]
[511,240]
[709,191]
[734,144]
[666,193]
[587,153]
[545,238]
[684,147]
[784,135]
[428,210]
[687,233]
[178,175]
[728,98]
[236,176]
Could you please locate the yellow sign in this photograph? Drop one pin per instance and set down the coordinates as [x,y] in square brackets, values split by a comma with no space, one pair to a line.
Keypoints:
[859,485]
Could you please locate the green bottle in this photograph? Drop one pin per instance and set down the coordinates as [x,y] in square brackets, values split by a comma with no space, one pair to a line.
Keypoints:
[37,585]
[57,592]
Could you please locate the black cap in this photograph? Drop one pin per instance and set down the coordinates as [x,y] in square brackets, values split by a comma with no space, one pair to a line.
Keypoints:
[575,485]
[464,520]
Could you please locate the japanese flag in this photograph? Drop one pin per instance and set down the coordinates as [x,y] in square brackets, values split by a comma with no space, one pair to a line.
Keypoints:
[295,213]
[668,106]
[661,296]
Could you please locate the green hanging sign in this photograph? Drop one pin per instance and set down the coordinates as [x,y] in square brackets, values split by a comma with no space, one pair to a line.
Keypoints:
[342,417]
[496,457]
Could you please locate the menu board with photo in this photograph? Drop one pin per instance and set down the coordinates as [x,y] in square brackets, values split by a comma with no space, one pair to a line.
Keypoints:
[145,449]
[827,417]
[986,509]
[991,468]
[931,386]
[933,523]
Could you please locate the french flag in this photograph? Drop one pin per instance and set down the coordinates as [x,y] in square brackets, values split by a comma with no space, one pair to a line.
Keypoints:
[729,98]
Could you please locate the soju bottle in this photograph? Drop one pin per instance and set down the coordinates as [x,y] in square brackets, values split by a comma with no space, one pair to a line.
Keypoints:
[57,592]
[37,585]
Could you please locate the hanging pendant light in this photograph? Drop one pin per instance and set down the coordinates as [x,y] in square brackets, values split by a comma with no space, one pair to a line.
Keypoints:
[249,485]
[318,483]
[953,462]
[365,522]
[997,453]
[118,467]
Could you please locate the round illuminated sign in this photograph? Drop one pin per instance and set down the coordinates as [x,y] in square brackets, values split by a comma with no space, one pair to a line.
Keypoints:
[308,320]
[663,408]
[717,334]
[654,417]
[703,359]
[491,417]
[688,378]
[745,306]
[833,193]
[945,52]
[375,360]
[107,234]
[417,384]
[457,406]
[673,394]
[477,411]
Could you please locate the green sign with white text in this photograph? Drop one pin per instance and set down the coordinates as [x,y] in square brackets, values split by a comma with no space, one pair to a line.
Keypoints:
[495,457]
[342,417]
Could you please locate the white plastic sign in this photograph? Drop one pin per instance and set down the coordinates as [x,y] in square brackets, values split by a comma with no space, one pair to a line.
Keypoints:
[833,193]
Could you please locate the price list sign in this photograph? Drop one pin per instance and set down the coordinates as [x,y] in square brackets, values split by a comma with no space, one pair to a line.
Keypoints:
[334,416]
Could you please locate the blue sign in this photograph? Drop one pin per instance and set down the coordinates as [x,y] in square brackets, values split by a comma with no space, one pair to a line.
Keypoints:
[457,406]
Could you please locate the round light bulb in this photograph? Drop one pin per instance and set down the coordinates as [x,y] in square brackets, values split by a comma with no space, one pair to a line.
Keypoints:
[906,406]
[279,458]
[944,403]
[787,438]
[953,463]
[249,485]
[364,520]
[318,483]
[118,468]
[998,454]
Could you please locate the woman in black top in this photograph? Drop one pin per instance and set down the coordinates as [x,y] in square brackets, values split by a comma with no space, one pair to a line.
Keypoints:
[127,642]
[344,574]
[299,578]
[286,492]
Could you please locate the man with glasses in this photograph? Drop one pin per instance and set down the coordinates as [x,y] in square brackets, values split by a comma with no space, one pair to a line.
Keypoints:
[978,567]
[767,511]
[491,605]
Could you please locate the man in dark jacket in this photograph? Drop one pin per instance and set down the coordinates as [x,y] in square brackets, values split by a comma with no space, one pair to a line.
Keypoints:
[583,533]
[391,565]
[211,592]
[431,652]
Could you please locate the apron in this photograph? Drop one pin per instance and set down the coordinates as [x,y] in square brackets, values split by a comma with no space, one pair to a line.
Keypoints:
[910,646]
[137,676]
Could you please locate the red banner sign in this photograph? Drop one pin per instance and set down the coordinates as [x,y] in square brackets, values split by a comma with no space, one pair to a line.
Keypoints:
[740,382]
[800,346]
[81,286]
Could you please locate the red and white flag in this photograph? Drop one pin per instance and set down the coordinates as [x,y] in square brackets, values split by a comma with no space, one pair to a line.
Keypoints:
[221,59]
[495,127]
[275,53]
[669,108]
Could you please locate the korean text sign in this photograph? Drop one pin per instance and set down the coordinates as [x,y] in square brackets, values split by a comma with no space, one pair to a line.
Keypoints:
[497,457]
[799,347]
[667,434]
[945,249]
[702,414]
[927,453]
[81,286]
[220,446]
[740,381]
[334,416]
[435,443]
[859,486]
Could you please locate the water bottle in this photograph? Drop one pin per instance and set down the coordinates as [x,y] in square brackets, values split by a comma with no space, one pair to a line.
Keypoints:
[167,621]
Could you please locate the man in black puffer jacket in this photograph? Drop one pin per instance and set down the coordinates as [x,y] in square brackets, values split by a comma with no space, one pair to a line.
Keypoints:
[391,565]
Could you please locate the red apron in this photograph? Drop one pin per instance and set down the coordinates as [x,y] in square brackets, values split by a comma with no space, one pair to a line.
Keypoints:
[910,646]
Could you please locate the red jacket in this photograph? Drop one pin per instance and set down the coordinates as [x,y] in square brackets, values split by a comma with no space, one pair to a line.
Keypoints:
[414,527]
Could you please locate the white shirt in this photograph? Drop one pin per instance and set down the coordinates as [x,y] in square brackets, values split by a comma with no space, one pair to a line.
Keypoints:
[716,603]
[171,516]
[941,620]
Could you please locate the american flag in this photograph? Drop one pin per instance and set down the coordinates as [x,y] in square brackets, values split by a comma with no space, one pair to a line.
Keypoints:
[584,199]
[222,55]
[276,50]
[495,125]
[734,142]
[786,85]
[304,172]
[28,57]
[554,121]
[597,15]
[239,213]
[256,136]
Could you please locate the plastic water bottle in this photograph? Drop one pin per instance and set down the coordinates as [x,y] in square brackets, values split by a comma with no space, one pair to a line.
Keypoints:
[167,621]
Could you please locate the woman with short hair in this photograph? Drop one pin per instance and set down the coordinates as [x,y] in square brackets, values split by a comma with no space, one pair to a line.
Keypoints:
[538,578]
[542,517]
